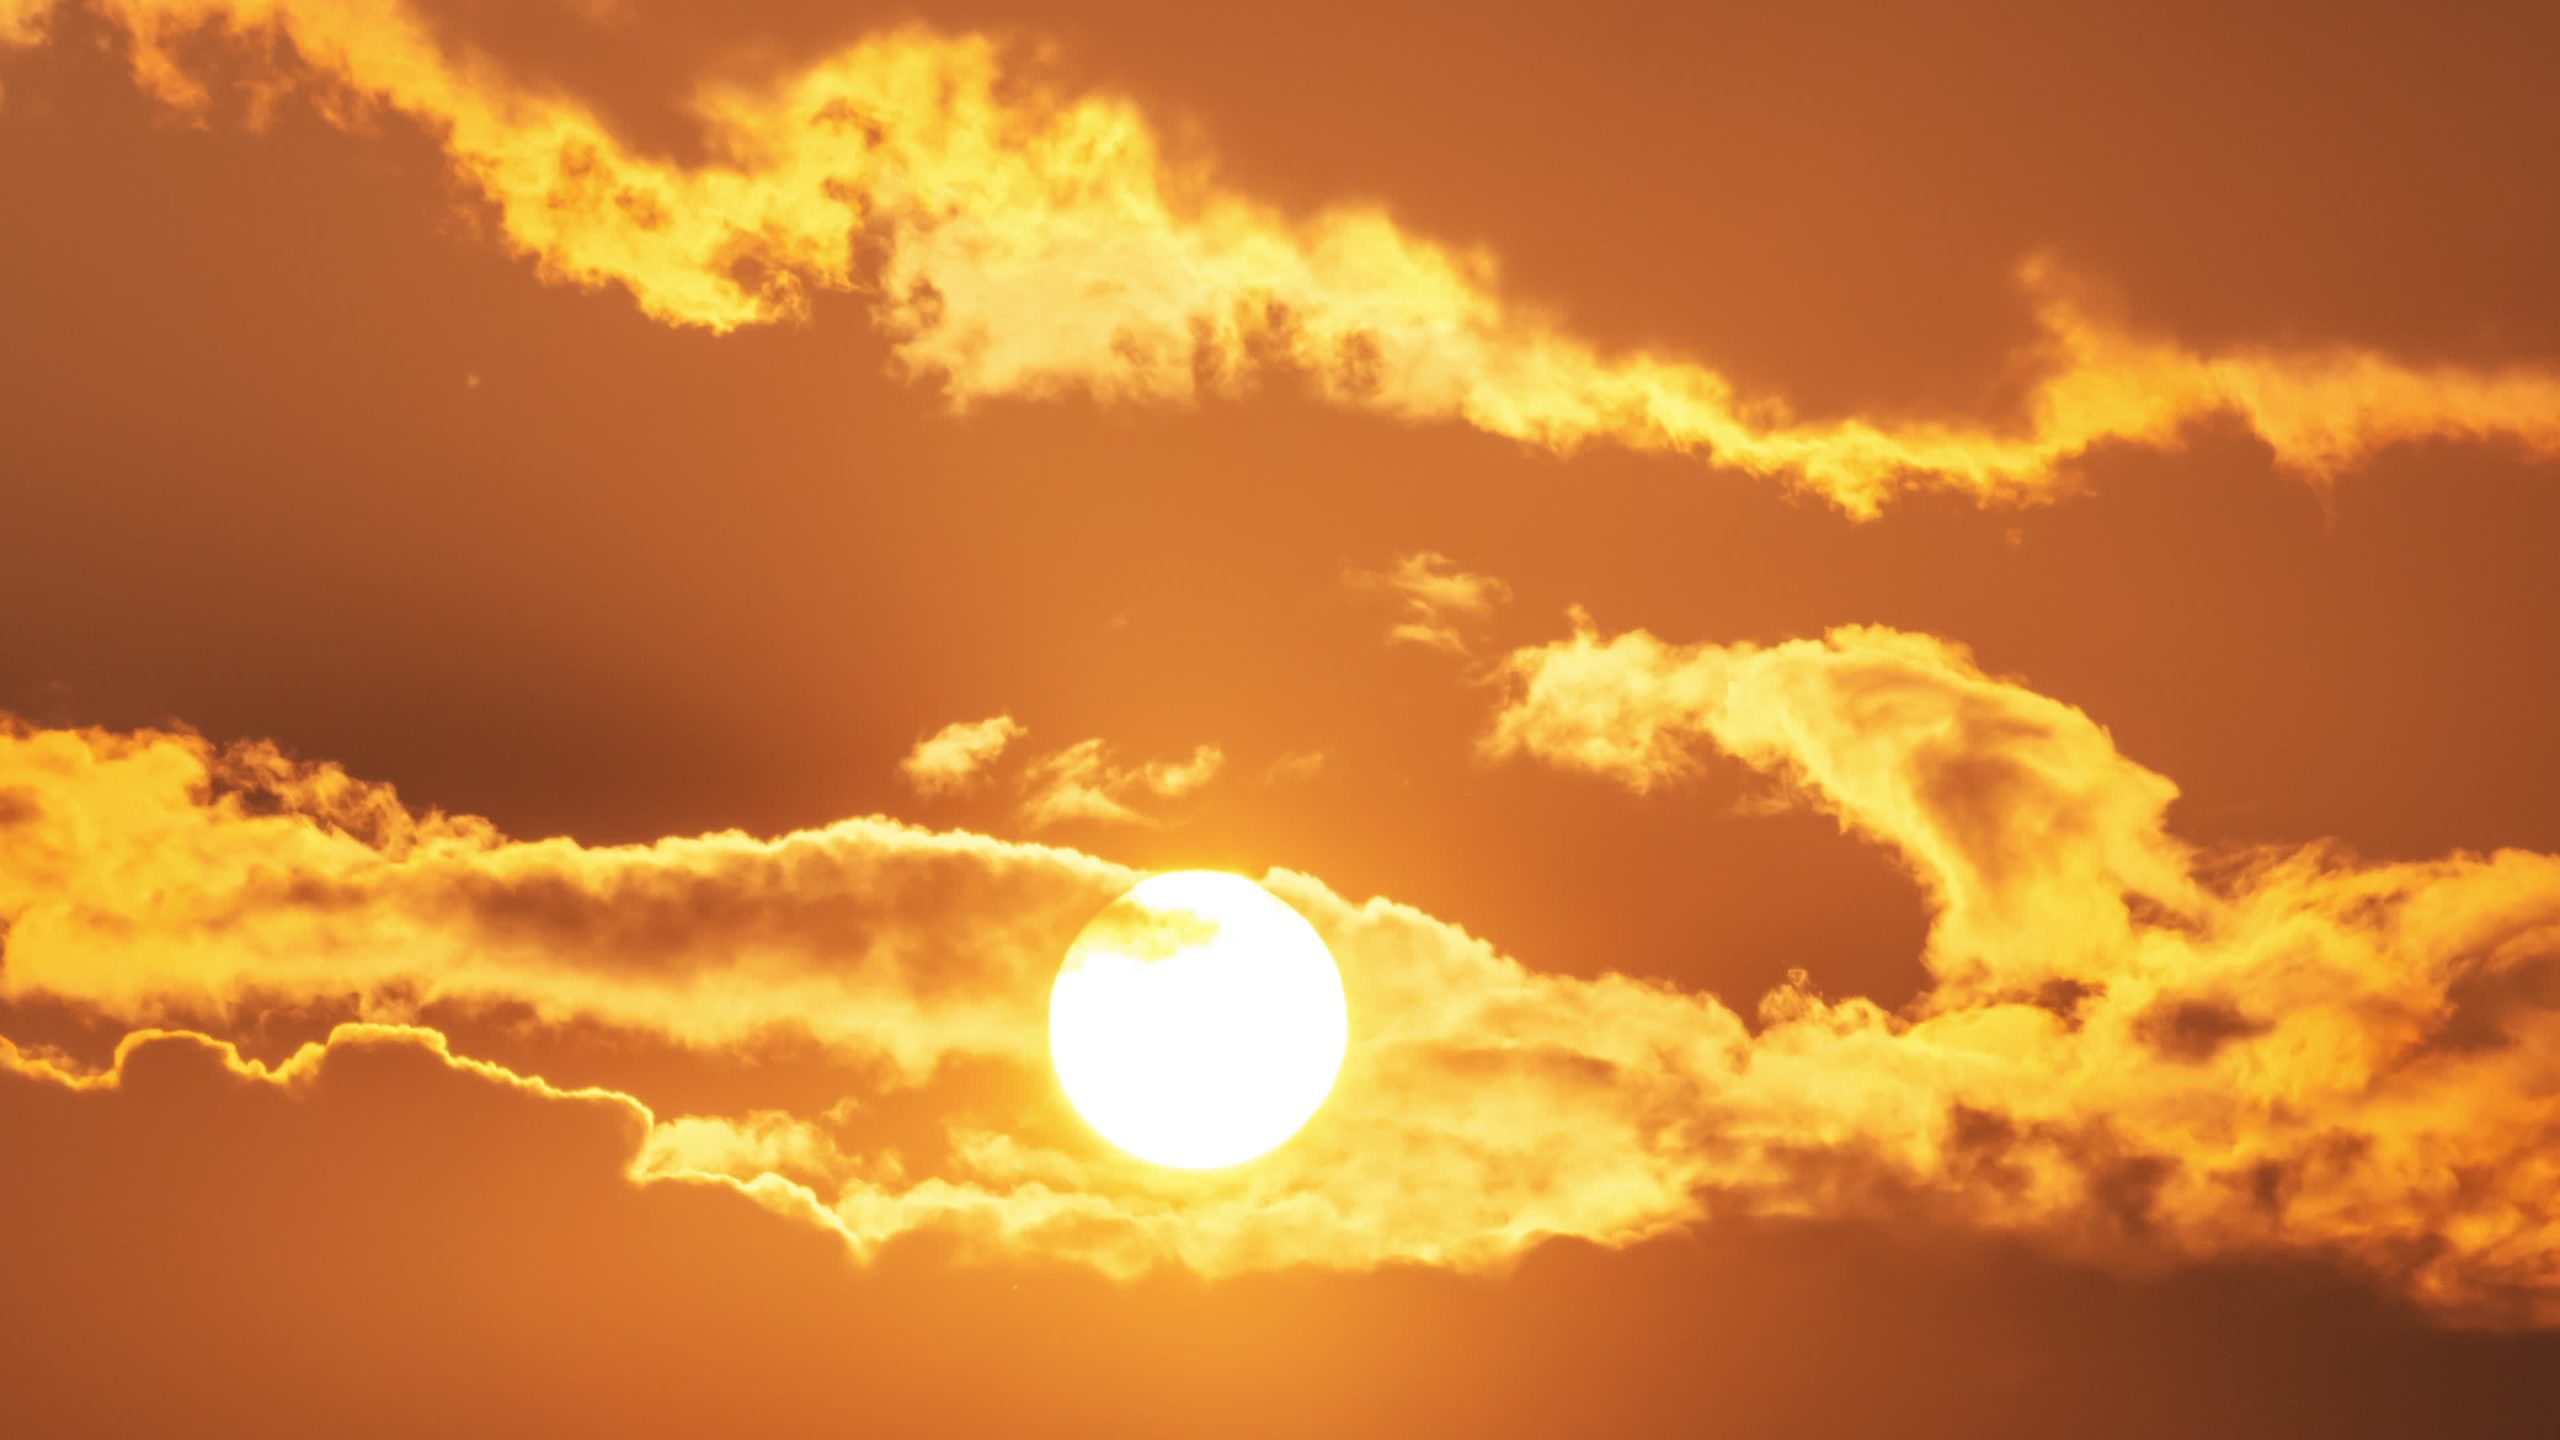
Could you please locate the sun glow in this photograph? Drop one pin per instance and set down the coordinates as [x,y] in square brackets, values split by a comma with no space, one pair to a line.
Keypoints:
[1197,1021]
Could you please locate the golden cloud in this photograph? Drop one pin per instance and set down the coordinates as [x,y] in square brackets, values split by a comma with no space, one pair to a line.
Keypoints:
[1016,241]
[956,756]
[2128,1049]
[2214,1052]
[23,22]
[155,875]
[158,878]
[1436,602]
[1084,782]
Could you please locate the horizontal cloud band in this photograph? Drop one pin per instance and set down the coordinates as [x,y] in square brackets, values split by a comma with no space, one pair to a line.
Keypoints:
[1014,241]
[2127,1049]
[158,878]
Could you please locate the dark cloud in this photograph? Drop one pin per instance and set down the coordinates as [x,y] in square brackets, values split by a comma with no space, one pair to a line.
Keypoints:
[2195,1029]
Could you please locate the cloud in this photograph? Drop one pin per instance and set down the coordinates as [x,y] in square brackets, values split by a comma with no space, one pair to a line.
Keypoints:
[1014,240]
[1083,782]
[375,1209]
[157,878]
[1079,782]
[956,756]
[24,22]
[372,1209]
[2122,1036]
[155,875]
[1296,767]
[2128,1051]
[1436,601]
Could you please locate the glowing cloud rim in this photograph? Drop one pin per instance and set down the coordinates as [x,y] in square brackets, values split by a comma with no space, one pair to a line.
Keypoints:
[1016,241]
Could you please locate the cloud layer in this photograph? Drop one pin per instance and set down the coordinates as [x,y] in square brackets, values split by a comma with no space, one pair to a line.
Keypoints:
[2128,1050]
[1017,241]
[2128,1047]
[2278,1047]
[158,878]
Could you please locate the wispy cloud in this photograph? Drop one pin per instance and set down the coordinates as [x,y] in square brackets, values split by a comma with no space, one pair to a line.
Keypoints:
[1437,604]
[2123,1039]
[1023,242]
[957,756]
[1085,782]
[1296,767]
[158,879]
[2126,1049]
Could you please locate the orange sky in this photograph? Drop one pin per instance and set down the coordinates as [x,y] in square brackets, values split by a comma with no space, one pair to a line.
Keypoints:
[1929,625]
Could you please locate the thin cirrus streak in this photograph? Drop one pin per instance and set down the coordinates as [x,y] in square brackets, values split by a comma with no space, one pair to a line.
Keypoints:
[2127,1050]
[1030,243]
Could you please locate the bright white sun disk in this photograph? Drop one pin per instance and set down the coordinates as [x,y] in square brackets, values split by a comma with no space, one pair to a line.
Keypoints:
[1198,1021]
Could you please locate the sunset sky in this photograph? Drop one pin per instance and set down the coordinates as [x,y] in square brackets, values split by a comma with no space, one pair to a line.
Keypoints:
[1907,655]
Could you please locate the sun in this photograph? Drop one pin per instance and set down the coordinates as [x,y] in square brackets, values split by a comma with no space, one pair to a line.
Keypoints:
[1198,1021]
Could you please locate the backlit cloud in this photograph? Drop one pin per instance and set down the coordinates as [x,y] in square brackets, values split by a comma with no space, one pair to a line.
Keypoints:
[1436,602]
[2126,1050]
[1084,782]
[2122,1035]
[156,878]
[956,756]
[232,873]
[1018,241]
[22,22]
